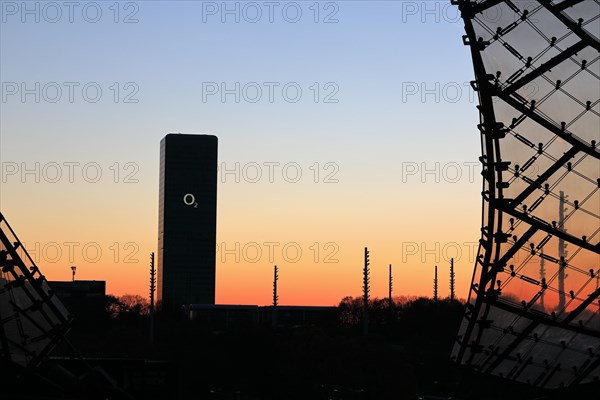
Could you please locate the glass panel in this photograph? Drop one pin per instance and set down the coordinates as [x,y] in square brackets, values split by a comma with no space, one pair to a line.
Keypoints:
[533,313]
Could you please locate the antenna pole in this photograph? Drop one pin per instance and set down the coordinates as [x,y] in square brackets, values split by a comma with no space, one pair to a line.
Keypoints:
[366,290]
[152,291]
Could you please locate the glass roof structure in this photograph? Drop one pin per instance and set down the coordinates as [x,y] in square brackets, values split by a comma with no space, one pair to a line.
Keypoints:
[533,309]
[32,318]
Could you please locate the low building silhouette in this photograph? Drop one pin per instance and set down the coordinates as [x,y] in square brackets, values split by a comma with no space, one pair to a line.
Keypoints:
[81,298]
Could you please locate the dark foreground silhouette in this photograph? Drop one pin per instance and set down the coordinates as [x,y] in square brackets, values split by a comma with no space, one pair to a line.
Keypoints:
[405,356]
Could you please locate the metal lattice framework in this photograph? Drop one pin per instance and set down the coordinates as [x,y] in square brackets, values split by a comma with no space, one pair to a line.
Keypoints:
[32,319]
[533,312]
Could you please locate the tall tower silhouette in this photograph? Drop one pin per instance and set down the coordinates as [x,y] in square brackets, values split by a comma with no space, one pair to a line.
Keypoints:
[187,221]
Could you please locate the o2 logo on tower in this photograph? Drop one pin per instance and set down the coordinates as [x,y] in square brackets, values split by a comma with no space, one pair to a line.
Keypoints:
[190,200]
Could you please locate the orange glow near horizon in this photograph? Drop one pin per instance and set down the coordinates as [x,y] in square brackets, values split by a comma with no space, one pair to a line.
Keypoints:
[318,249]
[412,233]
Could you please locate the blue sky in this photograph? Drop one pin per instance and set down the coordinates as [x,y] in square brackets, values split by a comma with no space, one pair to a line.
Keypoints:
[376,50]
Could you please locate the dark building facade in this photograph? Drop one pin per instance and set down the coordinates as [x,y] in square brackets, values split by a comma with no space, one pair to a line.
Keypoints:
[78,290]
[187,222]
[83,299]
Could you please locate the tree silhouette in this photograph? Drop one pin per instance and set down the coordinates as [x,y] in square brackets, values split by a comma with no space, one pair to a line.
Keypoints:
[128,304]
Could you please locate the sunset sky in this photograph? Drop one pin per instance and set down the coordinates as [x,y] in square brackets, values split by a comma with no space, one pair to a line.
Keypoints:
[343,125]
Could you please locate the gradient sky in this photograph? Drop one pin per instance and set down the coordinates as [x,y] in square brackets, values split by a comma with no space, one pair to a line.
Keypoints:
[371,146]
